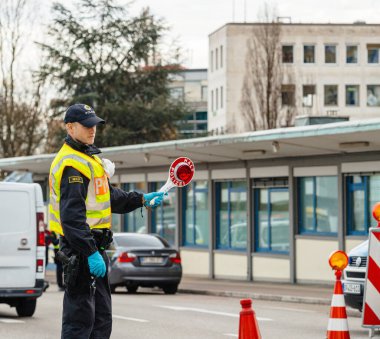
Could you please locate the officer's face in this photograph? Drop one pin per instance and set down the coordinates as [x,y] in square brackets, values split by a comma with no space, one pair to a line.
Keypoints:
[86,135]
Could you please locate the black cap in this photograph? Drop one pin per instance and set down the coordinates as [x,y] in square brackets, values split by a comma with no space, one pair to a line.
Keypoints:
[83,114]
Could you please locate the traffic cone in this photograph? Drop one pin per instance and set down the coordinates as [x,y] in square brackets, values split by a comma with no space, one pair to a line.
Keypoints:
[248,327]
[338,325]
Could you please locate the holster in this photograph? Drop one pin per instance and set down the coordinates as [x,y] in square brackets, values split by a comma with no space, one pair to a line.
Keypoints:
[74,281]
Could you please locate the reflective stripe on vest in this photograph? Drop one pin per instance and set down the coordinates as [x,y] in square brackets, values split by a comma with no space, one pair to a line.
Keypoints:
[98,203]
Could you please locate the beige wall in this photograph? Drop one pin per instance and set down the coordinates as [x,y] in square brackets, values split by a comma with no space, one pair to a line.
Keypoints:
[195,262]
[266,268]
[312,259]
[230,266]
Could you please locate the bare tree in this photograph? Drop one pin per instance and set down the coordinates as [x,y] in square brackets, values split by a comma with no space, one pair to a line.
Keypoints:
[20,107]
[260,102]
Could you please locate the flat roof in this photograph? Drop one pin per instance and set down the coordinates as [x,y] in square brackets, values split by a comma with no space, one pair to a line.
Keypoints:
[326,139]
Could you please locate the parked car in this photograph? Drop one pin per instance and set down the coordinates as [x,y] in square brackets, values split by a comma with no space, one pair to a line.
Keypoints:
[22,246]
[354,276]
[145,260]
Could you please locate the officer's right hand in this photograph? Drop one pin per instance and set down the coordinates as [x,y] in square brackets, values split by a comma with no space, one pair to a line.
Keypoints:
[96,265]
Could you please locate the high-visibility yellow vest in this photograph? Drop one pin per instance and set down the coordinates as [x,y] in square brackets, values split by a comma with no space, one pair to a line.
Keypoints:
[98,202]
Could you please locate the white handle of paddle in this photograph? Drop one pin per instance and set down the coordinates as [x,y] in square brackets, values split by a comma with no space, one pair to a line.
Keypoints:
[164,189]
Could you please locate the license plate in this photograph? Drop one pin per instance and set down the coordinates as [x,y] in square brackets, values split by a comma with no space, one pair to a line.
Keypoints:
[151,260]
[351,288]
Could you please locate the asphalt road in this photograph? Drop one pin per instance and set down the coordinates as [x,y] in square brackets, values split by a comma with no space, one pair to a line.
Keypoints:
[151,314]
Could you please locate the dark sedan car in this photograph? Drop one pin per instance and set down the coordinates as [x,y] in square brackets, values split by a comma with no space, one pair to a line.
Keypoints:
[145,260]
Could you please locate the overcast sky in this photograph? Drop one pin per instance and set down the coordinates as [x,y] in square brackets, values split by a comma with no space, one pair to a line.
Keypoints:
[191,21]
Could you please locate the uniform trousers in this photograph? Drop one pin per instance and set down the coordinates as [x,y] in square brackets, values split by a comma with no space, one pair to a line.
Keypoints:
[87,314]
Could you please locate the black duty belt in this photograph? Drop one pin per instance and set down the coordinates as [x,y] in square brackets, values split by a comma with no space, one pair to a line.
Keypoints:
[102,237]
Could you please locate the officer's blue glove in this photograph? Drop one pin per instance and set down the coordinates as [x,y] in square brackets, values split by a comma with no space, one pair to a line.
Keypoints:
[96,265]
[157,196]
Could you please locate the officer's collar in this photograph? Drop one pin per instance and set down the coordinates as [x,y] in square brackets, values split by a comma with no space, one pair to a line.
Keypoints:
[78,146]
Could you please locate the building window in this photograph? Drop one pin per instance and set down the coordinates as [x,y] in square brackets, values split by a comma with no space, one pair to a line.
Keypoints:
[212,101]
[287,54]
[287,95]
[216,59]
[221,97]
[221,56]
[308,92]
[212,61]
[216,99]
[196,214]
[309,54]
[331,95]
[352,54]
[177,93]
[352,95]
[133,222]
[163,216]
[373,95]
[330,54]
[318,204]
[204,93]
[231,215]
[362,195]
[271,219]
[373,53]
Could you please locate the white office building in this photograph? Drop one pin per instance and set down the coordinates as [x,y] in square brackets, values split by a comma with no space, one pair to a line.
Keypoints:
[334,68]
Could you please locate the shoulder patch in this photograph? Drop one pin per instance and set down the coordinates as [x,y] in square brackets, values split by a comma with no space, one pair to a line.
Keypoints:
[75,179]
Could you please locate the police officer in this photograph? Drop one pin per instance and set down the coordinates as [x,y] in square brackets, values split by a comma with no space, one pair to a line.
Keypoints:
[81,203]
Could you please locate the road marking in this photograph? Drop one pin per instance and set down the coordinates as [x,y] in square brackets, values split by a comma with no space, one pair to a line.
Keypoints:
[230,335]
[11,321]
[291,309]
[128,318]
[201,310]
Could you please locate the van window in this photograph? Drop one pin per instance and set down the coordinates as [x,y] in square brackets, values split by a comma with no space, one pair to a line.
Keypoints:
[15,211]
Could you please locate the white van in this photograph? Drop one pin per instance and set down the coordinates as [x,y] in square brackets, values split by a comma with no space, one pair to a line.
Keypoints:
[22,246]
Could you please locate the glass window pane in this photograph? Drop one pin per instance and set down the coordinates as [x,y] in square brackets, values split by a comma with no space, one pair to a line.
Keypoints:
[232,214]
[223,216]
[373,55]
[327,204]
[287,54]
[306,203]
[197,213]
[263,231]
[373,95]
[331,95]
[308,54]
[352,54]
[330,54]
[358,208]
[279,220]
[352,95]
[163,216]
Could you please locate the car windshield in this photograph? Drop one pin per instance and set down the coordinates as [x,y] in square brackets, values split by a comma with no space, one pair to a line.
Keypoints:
[138,240]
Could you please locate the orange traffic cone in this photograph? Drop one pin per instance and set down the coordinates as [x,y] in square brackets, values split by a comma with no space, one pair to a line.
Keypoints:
[248,327]
[338,325]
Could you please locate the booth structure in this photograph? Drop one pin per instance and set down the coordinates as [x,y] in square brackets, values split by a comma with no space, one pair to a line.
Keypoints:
[263,206]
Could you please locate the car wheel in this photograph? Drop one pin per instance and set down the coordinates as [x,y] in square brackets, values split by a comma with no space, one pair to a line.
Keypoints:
[113,288]
[132,289]
[26,308]
[170,289]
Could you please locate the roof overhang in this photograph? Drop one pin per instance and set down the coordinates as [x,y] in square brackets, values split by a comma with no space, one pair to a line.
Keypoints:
[327,139]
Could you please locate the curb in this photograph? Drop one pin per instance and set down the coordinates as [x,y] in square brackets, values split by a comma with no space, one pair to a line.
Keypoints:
[259,296]
[270,297]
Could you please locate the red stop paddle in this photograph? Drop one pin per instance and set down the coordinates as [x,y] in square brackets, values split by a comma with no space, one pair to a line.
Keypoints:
[181,173]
